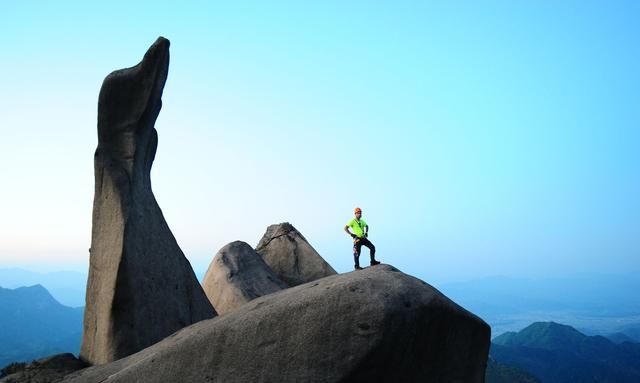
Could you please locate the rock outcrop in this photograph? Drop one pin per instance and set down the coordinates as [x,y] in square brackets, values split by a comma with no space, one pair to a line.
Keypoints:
[47,370]
[238,275]
[141,288]
[374,325]
[291,257]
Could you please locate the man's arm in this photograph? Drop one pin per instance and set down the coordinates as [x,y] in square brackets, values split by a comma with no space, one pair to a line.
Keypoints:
[346,229]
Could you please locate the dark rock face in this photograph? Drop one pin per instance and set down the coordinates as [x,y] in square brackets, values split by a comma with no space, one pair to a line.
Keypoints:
[291,257]
[47,370]
[374,325]
[238,275]
[141,288]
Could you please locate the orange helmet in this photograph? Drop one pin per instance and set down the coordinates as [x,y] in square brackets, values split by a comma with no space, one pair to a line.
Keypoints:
[357,210]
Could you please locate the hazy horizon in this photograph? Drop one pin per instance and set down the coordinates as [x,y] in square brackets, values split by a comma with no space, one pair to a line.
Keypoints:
[437,281]
[483,139]
[595,304]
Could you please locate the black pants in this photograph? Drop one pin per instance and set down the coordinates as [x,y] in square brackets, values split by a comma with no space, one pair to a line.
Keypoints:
[357,246]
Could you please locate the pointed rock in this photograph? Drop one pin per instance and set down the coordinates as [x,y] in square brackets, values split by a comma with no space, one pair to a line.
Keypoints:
[374,325]
[141,288]
[238,275]
[290,256]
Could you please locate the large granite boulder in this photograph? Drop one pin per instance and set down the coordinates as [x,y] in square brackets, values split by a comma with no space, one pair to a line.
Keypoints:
[238,275]
[374,325]
[291,257]
[141,288]
[46,370]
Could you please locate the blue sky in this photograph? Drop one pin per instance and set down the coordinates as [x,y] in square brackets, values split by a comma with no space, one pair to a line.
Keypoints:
[480,138]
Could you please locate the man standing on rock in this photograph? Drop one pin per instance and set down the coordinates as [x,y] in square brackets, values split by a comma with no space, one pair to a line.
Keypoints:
[359,235]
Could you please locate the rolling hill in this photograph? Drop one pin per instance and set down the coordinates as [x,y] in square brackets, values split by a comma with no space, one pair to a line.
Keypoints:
[558,353]
[35,325]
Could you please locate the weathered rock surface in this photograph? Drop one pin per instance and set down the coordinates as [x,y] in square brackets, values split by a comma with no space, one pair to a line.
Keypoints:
[238,275]
[291,257]
[374,325]
[47,370]
[141,288]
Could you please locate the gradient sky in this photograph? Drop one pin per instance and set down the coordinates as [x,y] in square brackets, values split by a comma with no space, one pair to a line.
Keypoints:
[479,138]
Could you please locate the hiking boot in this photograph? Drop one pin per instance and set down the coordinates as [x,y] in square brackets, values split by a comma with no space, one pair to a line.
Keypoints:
[373,263]
[358,268]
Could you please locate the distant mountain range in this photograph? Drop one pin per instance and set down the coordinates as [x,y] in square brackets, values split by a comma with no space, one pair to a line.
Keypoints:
[631,330]
[67,287]
[558,353]
[619,337]
[595,304]
[35,325]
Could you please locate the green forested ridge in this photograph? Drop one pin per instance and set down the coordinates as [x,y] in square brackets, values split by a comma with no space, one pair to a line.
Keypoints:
[558,353]
[35,325]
